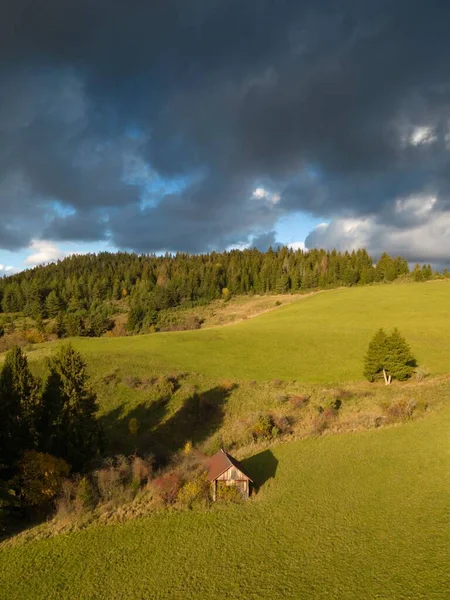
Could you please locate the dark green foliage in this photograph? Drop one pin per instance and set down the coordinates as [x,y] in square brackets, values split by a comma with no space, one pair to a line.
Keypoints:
[53,304]
[19,397]
[78,285]
[401,362]
[375,359]
[389,356]
[68,426]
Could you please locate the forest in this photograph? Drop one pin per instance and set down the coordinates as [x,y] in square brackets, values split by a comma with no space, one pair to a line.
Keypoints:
[81,293]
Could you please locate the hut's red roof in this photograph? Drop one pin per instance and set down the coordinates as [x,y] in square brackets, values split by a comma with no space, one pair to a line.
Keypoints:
[221,462]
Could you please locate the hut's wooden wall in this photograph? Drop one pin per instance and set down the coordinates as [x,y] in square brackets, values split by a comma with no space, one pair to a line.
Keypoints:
[233,476]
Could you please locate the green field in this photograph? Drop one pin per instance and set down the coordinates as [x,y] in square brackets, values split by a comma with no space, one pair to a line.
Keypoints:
[364,515]
[356,515]
[319,338]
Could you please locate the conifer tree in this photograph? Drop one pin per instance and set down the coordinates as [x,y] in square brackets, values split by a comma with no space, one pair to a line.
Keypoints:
[375,359]
[400,362]
[68,424]
[19,398]
[53,304]
[388,356]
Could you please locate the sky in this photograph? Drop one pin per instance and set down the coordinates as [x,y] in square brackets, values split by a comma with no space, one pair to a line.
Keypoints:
[206,125]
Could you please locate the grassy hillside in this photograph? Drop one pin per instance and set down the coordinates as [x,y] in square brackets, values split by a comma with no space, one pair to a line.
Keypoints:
[320,338]
[356,515]
[362,515]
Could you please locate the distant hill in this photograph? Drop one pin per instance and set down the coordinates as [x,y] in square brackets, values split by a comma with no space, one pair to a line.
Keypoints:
[81,290]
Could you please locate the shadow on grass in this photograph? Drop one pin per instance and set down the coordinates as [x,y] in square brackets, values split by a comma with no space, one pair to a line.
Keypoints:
[199,417]
[261,467]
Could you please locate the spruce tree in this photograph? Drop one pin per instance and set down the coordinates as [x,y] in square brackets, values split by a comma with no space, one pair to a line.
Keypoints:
[388,356]
[53,304]
[375,359]
[68,424]
[400,362]
[19,399]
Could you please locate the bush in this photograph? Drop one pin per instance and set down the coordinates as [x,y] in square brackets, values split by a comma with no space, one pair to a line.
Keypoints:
[133,426]
[262,427]
[319,424]
[228,493]
[167,487]
[400,410]
[85,495]
[196,491]
[299,401]
[40,477]
[132,382]
[422,373]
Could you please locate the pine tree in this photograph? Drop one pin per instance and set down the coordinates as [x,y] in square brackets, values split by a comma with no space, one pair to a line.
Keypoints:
[400,362]
[375,359]
[19,394]
[68,424]
[53,304]
[388,356]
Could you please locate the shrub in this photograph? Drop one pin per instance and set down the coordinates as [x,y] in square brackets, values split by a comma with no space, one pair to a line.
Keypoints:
[132,382]
[422,373]
[119,330]
[85,496]
[401,409]
[166,488]
[227,385]
[141,469]
[228,493]
[319,424]
[164,386]
[133,426]
[196,491]
[262,427]
[299,401]
[40,477]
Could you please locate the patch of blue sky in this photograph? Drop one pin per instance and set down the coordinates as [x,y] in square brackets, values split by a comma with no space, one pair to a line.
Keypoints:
[295,227]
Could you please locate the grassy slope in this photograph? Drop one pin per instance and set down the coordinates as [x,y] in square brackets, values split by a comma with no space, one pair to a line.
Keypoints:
[320,338]
[362,515]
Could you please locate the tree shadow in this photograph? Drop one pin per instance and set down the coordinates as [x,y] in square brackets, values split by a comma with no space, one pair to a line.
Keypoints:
[261,467]
[119,437]
[200,416]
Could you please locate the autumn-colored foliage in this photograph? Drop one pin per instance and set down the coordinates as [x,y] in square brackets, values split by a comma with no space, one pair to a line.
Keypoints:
[40,477]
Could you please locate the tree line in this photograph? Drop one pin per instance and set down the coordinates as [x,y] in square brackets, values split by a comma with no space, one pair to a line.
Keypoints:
[79,293]
[47,428]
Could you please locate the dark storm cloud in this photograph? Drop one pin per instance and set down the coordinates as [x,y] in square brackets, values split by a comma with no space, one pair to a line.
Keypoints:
[342,109]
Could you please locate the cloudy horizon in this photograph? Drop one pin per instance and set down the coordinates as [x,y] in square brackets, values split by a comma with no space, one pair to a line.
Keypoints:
[201,126]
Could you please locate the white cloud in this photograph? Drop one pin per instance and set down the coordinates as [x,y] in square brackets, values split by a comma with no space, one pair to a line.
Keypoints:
[6,269]
[297,246]
[428,240]
[275,198]
[418,205]
[43,252]
[259,193]
[422,135]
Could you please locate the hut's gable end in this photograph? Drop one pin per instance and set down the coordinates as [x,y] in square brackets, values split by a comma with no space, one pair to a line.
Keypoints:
[233,474]
[224,470]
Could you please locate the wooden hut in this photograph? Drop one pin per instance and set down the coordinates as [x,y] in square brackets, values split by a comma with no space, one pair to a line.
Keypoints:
[224,470]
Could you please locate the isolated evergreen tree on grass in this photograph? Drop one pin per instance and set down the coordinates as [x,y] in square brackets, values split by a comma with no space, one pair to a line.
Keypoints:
[388,356]
[68,424]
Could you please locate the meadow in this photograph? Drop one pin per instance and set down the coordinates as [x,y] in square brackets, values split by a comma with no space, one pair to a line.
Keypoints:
[357,515]
[320,338]
[363,515]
